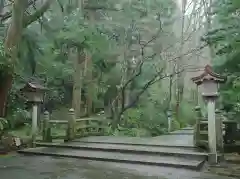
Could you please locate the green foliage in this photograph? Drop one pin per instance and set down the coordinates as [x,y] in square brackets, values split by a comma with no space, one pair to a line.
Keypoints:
[2,55]
[225,40]
[110,37]
[78,33]
[3,124]
[145,119]
[186,114]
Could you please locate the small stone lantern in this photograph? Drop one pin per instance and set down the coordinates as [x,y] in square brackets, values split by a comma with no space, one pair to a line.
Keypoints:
[209,81]
[34,93]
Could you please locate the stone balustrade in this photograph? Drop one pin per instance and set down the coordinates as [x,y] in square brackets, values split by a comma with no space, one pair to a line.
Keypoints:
[226,128]
[72,128]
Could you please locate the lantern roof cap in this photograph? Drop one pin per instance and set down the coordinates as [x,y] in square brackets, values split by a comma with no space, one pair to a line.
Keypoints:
[33,85]
[208,74]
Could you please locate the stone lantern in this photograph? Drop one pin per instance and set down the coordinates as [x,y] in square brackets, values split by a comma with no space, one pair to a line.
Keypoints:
[209,81]
[34,93]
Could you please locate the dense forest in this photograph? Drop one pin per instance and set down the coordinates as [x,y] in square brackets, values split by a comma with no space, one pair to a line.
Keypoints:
[132,59]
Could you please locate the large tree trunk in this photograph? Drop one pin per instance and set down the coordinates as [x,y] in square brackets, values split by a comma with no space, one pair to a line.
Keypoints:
[6,84]
[13,37]
[90,88]
[77,84]
[12,40]
[115,115]
[180,64]
[89,66]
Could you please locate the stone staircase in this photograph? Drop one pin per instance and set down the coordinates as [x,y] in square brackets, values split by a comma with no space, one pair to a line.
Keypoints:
[126,152]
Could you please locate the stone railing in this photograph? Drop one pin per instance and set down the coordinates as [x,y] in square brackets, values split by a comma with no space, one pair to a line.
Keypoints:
[72,128]
[228,129]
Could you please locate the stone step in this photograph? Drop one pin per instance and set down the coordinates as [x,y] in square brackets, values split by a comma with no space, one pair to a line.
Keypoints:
[182,132]
[153,142]
[157,150]
[168,161]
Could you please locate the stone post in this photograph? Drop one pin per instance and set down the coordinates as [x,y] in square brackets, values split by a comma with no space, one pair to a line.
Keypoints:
[46,128]
[197,125]
[212,137]
[34,124]
[219,132]
[71,125]
[169,117]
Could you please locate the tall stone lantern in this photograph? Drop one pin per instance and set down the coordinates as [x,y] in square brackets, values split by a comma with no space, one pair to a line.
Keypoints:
[34,93]
[209,82]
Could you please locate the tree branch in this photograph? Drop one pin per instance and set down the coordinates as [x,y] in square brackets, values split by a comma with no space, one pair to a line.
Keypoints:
[154,79]
[99,7]
[138,70]
[8,14]
[35,16]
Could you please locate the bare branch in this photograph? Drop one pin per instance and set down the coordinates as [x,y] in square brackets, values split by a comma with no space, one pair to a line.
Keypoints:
[39,13]
[188,52]
[157,77]
[99,7]
[60,5]
[8,14]
[138,70]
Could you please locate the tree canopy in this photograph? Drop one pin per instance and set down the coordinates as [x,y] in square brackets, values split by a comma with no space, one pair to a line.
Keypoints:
[132,59]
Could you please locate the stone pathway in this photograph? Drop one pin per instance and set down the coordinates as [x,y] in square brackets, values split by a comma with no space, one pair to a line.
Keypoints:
[172,150]
[182,138]
[131,148]
[44,167]
[47,167]
[194,163]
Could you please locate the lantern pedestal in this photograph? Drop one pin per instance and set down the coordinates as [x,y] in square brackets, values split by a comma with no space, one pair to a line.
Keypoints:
[169,124]
[34,123]
[212,134]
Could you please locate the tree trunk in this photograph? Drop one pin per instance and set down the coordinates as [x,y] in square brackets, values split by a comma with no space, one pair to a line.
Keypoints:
[12,40]
[127,92]
[6,84]
[208,15]
[115,118]
[13,37]
[115,112]
[89,90]
[77,82]
[89,65]
[170,91]
[180,64]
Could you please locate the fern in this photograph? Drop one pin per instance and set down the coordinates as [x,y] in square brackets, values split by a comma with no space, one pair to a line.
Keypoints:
[3,124]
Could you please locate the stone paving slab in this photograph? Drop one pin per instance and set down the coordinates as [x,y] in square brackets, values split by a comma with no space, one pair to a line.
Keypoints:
[165,140]
[182,132]
[176,139]
[172,161]
[45,167]
[186,152]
